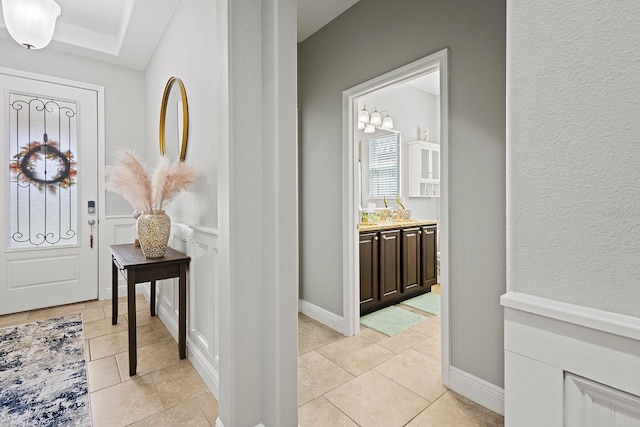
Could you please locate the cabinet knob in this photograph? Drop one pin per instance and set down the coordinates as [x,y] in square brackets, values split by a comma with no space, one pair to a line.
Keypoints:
[375,238]
[420,232]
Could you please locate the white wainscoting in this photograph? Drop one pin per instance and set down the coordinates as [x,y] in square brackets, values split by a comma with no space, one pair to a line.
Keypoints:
[201,244]
[568,365]
[113,230]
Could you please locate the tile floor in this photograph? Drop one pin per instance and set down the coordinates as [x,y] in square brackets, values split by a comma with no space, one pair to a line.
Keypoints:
[368,380]
[374,380]
[166,392]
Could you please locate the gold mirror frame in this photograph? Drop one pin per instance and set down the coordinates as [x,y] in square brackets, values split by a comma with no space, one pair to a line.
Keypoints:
[185,116]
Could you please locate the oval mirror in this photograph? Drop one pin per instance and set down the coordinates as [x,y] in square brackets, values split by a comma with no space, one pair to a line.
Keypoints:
[174,118]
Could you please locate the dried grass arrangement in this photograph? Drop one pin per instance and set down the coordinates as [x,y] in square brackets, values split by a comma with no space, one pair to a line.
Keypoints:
[148,191]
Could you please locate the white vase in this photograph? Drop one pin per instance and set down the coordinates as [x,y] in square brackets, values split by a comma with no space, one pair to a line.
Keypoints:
[153,231]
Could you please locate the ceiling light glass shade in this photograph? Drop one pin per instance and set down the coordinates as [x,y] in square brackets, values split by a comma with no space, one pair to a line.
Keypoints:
[376,118]
[369,128]
[363,115]
[360,125]
[31,22]
[387,123]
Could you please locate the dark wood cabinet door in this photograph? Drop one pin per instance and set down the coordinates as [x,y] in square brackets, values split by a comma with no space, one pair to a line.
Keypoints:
[368,269]
[389,264]
[429,255]
[411,259]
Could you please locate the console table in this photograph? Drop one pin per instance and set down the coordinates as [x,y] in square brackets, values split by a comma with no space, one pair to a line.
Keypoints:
[130,259]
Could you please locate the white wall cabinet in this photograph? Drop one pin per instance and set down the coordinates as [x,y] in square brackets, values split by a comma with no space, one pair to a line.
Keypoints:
[424,169]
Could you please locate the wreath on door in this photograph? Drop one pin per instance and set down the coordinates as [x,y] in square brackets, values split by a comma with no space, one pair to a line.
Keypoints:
[25,166]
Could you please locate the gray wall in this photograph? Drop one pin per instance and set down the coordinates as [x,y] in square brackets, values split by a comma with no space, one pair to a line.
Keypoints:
[374,37]
[574,192]
[188,51]
[123,94]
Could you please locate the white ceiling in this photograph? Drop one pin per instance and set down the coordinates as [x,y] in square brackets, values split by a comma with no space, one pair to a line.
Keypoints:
[429,83]
[126,32]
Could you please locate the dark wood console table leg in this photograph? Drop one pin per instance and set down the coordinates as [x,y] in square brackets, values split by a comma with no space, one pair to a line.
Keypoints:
[182,311]
[114,292]
[153,297]
[131,314]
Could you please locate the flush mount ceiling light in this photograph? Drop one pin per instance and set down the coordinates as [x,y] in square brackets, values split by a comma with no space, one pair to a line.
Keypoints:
[369,122]
[31,22]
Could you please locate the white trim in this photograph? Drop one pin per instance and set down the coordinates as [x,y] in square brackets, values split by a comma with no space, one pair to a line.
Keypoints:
[480,391]
[350,275]
[321,315]
[546,339]
[219,423]
[605,321]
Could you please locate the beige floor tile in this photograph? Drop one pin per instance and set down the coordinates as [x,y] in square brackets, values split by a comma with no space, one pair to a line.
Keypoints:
[141,305]
[126,403]
[431,347]
[103,373]
[118,342]
[209,406]
[178,382]
[92,314]
[402,341]
[371,335]
[101,327]
[454,410]
[48,313]
[185,414]
[318,375]
[161,331]
[419,373]
[322,413]
[96,303]
[428,328]
[151,358]
[14,319]
[145,318]
[87,351]
[373,400]
[312,334]
[355,354]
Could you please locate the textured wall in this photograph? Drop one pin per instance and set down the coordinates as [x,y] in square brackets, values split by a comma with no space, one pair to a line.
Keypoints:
[188,50]
[123,97]
[370,39]
[574,133]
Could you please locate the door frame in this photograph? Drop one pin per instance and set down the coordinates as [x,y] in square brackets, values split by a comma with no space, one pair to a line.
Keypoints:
[100,193]
[351,274]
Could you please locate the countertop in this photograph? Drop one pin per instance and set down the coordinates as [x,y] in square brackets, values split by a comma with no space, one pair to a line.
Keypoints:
[375,226]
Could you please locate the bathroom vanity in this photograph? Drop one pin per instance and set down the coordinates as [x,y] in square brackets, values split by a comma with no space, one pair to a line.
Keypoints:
[398,261]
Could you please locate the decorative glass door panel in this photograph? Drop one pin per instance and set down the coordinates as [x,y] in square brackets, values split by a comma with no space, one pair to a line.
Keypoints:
[49,135]
[43,197]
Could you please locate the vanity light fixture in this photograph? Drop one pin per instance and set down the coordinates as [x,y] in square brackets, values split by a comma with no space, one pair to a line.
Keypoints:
[369,122]
[376,118]
[31,22]
[387,121]
[363,115]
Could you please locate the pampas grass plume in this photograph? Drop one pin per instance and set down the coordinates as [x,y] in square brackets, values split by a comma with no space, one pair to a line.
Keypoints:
[129,178]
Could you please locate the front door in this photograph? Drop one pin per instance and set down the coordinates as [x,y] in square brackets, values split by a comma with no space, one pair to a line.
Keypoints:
[49,141]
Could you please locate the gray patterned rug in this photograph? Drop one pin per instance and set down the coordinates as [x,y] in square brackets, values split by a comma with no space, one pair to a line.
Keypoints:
[43,375]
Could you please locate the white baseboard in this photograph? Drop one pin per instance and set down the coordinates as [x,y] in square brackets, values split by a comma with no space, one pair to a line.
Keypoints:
[219,424]
[474,388]
[323,316]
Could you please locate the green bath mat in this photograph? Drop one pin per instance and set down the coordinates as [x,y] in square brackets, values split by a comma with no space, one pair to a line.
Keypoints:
[429,302]
[391,320]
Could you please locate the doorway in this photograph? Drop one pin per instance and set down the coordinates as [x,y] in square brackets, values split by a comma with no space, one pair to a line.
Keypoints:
[352,184]
[50,195]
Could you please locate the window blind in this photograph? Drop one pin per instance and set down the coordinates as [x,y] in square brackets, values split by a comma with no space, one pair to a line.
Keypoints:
[383,166]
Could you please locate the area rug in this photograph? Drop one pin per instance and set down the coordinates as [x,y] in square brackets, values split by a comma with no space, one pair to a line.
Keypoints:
[429,302]
[391,320]
[43,375]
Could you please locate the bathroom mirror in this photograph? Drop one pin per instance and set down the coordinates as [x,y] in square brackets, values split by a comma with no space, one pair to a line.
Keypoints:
[174,117]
